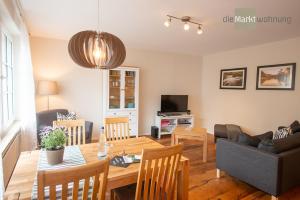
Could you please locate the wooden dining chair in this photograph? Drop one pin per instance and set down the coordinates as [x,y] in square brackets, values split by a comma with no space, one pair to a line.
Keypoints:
[116,128]
[157,175]
[75,129]
[97,171]
[195,133]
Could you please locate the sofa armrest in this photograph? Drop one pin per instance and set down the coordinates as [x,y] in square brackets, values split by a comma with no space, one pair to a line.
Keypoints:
[289,166]
[249,164]
[88,131]
[220,131]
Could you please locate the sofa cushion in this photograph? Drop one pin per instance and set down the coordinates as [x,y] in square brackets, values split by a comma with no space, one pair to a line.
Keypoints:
[280,145]
[295,124]
[254,140]
[248,140]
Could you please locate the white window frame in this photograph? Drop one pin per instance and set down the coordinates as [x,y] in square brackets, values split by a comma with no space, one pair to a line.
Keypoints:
[4,125]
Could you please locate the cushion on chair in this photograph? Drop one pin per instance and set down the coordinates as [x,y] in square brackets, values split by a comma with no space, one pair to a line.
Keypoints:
[68,116]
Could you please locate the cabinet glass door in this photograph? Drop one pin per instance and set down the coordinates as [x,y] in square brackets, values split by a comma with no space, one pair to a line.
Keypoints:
[114,89]
[130,89]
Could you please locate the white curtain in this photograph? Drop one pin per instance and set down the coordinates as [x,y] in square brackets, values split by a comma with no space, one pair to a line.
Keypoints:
[26,97]
[1,179]
[25,89]
[23,74]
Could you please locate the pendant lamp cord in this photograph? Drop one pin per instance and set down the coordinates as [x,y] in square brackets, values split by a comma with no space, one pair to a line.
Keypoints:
[98,22]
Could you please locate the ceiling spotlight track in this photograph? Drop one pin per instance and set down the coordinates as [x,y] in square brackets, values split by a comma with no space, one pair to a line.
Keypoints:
[187,20]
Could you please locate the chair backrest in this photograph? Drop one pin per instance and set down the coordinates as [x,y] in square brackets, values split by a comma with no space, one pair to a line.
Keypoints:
[158,173]
[97,172]
[116,128]
[76,130]
[180,129]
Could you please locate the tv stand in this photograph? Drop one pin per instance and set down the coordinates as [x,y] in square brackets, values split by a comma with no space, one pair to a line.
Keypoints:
[167,124]
[171,114]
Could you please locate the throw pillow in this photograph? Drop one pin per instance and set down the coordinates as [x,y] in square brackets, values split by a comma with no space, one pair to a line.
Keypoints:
[282,133]
[248,140]
[265,136]
[69,116]
[296,129]
[280,145]
[254,140]
[295,126]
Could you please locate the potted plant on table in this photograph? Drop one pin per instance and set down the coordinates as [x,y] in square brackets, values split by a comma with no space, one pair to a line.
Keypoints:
[53,141]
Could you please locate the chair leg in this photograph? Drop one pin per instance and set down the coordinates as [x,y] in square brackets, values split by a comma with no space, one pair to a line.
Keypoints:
[112,195]
[205,150]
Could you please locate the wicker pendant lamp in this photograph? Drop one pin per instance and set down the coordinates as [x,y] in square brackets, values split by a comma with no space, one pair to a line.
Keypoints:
[95,49]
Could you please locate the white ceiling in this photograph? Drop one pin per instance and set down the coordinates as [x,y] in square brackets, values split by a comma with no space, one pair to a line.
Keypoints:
[139,23]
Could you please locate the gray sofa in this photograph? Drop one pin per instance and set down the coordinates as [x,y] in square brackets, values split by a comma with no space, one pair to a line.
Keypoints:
[273,170]
[46,118]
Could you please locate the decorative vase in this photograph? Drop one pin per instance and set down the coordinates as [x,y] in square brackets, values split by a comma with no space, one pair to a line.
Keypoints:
[55,157]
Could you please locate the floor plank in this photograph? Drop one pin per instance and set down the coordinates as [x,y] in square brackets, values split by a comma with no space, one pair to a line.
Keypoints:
[204,184]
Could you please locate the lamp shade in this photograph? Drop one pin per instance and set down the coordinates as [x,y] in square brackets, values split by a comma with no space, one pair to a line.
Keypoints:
[47,88]
[91,49]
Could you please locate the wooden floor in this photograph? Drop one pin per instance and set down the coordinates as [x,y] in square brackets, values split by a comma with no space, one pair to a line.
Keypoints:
[205,185]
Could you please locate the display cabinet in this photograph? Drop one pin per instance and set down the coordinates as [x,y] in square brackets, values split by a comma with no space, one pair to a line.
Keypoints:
[121,95]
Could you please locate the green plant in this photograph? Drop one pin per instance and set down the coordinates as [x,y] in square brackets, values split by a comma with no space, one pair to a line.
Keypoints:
[53,139]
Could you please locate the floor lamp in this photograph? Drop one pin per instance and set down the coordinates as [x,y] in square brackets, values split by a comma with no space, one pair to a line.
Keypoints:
[47,88]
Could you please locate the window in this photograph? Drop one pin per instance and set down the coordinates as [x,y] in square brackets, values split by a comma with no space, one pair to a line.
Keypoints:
[6,82]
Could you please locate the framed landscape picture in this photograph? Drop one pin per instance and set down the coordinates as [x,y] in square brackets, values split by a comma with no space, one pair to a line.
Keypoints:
[276,77]
[233,78]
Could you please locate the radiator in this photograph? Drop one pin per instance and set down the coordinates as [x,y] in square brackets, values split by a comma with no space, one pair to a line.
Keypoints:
[10,158]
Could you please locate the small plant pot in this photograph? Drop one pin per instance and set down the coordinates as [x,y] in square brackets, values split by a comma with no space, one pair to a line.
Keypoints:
[55,157]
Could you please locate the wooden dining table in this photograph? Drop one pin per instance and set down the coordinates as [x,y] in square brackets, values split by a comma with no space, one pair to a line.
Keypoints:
[21,182]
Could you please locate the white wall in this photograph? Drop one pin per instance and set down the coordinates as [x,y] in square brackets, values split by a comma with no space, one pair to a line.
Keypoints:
[81,89]
[256,111]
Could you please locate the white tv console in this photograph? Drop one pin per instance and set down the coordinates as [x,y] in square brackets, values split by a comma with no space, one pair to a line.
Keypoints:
[167,124]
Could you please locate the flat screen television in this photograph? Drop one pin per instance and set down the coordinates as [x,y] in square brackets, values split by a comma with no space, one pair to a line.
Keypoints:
[174,103]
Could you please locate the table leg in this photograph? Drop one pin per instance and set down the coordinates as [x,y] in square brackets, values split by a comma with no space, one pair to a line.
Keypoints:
[205,150]
[176,140]
[173,139]
[183,182]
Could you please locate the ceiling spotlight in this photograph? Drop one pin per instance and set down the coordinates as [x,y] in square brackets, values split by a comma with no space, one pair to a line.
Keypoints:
[168,22]
[186,26]
[199,31]
[187,21]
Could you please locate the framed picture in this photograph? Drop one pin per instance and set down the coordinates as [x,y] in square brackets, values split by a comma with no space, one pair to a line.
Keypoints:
[276,77]
[233,78]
